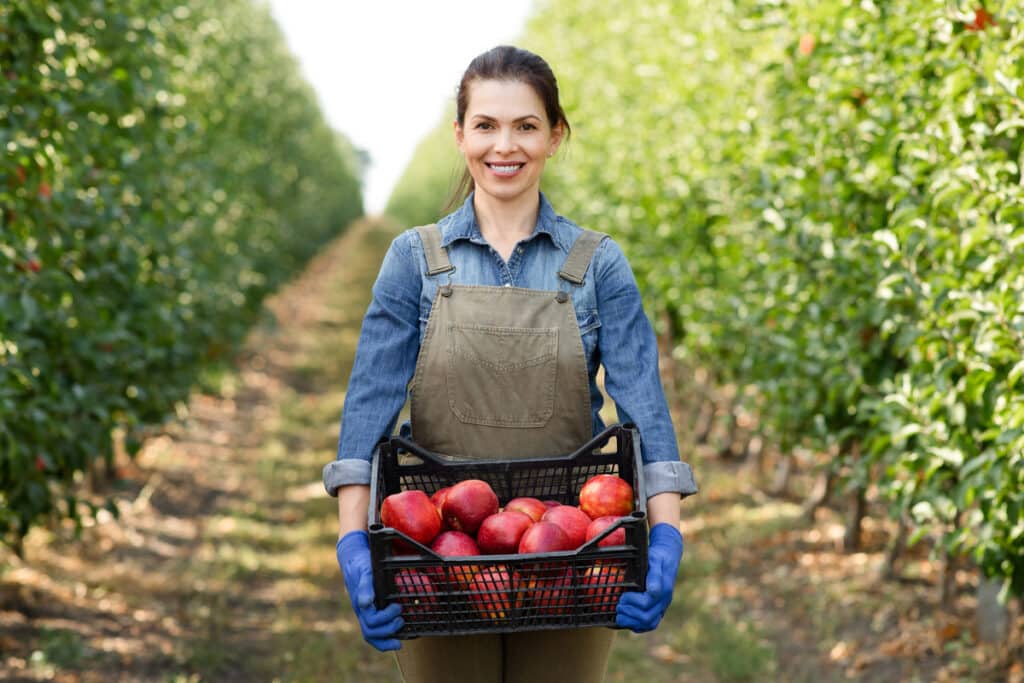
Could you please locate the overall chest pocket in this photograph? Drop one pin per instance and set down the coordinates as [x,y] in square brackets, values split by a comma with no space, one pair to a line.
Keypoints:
[502,376]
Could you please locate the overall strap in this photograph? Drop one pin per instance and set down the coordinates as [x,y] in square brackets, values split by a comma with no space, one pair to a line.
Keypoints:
[578,260]
[437,256]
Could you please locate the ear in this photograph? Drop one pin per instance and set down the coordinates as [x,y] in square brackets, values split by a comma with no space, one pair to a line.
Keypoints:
[557,135]
[459,134]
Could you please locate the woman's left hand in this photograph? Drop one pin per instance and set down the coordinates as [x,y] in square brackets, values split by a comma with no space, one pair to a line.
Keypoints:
[642,612]
[379,626]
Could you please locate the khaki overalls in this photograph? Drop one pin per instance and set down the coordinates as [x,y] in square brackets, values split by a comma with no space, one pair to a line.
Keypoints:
[501,374]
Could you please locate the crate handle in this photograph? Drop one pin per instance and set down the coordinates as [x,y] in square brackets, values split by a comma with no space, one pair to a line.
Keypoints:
[601,439]
[390,531]
[595,442]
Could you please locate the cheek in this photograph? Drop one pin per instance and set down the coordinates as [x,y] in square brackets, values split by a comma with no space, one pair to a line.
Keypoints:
[473,149]
[540,147]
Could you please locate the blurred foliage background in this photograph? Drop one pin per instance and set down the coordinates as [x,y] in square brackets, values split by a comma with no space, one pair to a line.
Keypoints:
[163,168]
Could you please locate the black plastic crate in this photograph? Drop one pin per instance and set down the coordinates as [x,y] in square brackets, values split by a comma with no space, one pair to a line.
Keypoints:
[505,593]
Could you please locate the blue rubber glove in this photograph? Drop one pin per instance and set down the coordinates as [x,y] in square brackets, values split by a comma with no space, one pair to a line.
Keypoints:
[379,626]
[642,612]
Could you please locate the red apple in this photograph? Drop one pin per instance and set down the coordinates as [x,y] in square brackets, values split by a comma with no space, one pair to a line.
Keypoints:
[491,592]
[455,544]
[411,513]
[572,520]
[606,494]
[438,500]
[547,593]
[617,537]
[468,504]
[544,537]
[602,586]
[551,503]
[500,533]
[415,592]
[530,506]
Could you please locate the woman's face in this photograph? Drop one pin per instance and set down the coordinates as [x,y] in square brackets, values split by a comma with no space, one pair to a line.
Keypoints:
[506,138]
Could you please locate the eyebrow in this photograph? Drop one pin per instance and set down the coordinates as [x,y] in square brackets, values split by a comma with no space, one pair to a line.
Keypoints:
[491,118]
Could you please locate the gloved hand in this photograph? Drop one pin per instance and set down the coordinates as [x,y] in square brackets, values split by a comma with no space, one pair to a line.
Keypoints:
[641,612]
[379,626]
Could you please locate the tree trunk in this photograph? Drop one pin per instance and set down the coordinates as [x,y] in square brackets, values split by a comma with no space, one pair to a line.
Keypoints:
[950,562]
[669,369]
[705,422]
[851,539]
[947,577]
[895,549]
[993,616]
[725,451]
[752,451]
[819,494]
[780,482]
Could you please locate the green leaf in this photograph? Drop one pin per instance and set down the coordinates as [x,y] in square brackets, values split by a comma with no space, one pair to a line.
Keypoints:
[1015,374]
[923,511]
[1008,124]
[951,456]
[905,432]
[888,238]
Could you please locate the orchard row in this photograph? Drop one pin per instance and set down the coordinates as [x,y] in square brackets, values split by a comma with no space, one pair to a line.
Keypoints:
[164,166]
[823,205]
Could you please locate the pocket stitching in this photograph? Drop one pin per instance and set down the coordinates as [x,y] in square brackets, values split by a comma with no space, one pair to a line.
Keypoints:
[550,352]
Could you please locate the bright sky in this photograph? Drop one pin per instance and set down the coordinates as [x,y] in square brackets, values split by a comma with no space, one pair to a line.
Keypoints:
[385,69]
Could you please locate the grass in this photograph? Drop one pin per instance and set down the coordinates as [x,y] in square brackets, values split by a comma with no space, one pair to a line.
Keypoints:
[59,648]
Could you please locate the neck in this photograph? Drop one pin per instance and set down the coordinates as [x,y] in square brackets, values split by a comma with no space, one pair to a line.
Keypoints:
[505,220]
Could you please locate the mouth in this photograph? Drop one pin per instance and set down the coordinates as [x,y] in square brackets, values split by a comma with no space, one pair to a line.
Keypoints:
[506,169]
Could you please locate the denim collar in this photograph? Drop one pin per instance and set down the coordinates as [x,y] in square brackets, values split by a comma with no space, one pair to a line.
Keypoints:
[461,224]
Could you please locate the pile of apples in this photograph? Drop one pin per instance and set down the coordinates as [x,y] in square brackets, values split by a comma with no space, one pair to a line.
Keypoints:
[464,520]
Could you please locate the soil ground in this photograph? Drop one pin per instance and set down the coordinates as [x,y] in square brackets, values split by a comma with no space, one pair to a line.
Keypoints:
[220,565]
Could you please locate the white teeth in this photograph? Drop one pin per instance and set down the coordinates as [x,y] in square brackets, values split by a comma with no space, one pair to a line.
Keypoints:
[507,169]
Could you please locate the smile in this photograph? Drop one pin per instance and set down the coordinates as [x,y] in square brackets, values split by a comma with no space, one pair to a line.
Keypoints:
[505,169]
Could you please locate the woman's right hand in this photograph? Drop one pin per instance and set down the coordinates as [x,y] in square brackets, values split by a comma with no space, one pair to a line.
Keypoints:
[378,626]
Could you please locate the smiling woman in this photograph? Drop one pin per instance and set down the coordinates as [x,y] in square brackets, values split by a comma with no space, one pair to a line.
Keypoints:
[502,275]
[505,141]
[520,86]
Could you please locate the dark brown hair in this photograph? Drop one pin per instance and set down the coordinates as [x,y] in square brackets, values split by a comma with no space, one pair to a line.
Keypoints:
[507,63]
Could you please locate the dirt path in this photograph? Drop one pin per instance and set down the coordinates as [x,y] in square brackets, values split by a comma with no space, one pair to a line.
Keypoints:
[221,565]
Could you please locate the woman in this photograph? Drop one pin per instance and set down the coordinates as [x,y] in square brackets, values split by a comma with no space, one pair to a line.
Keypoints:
[496,319]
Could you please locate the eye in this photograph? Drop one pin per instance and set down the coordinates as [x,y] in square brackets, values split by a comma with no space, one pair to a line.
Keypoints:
[529,126]
[483,125]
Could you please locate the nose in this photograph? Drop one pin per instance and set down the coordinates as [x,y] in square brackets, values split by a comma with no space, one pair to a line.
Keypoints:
[505,142]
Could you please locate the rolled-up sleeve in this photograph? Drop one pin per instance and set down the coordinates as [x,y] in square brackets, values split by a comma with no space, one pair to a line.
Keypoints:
[384,363]
[629,353]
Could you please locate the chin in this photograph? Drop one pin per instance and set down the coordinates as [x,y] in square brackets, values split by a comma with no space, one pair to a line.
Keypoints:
[507,194]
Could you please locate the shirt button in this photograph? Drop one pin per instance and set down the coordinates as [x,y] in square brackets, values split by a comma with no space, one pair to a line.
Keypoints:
[519,250]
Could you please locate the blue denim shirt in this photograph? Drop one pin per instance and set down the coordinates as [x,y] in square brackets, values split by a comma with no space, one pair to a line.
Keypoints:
[615,331]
